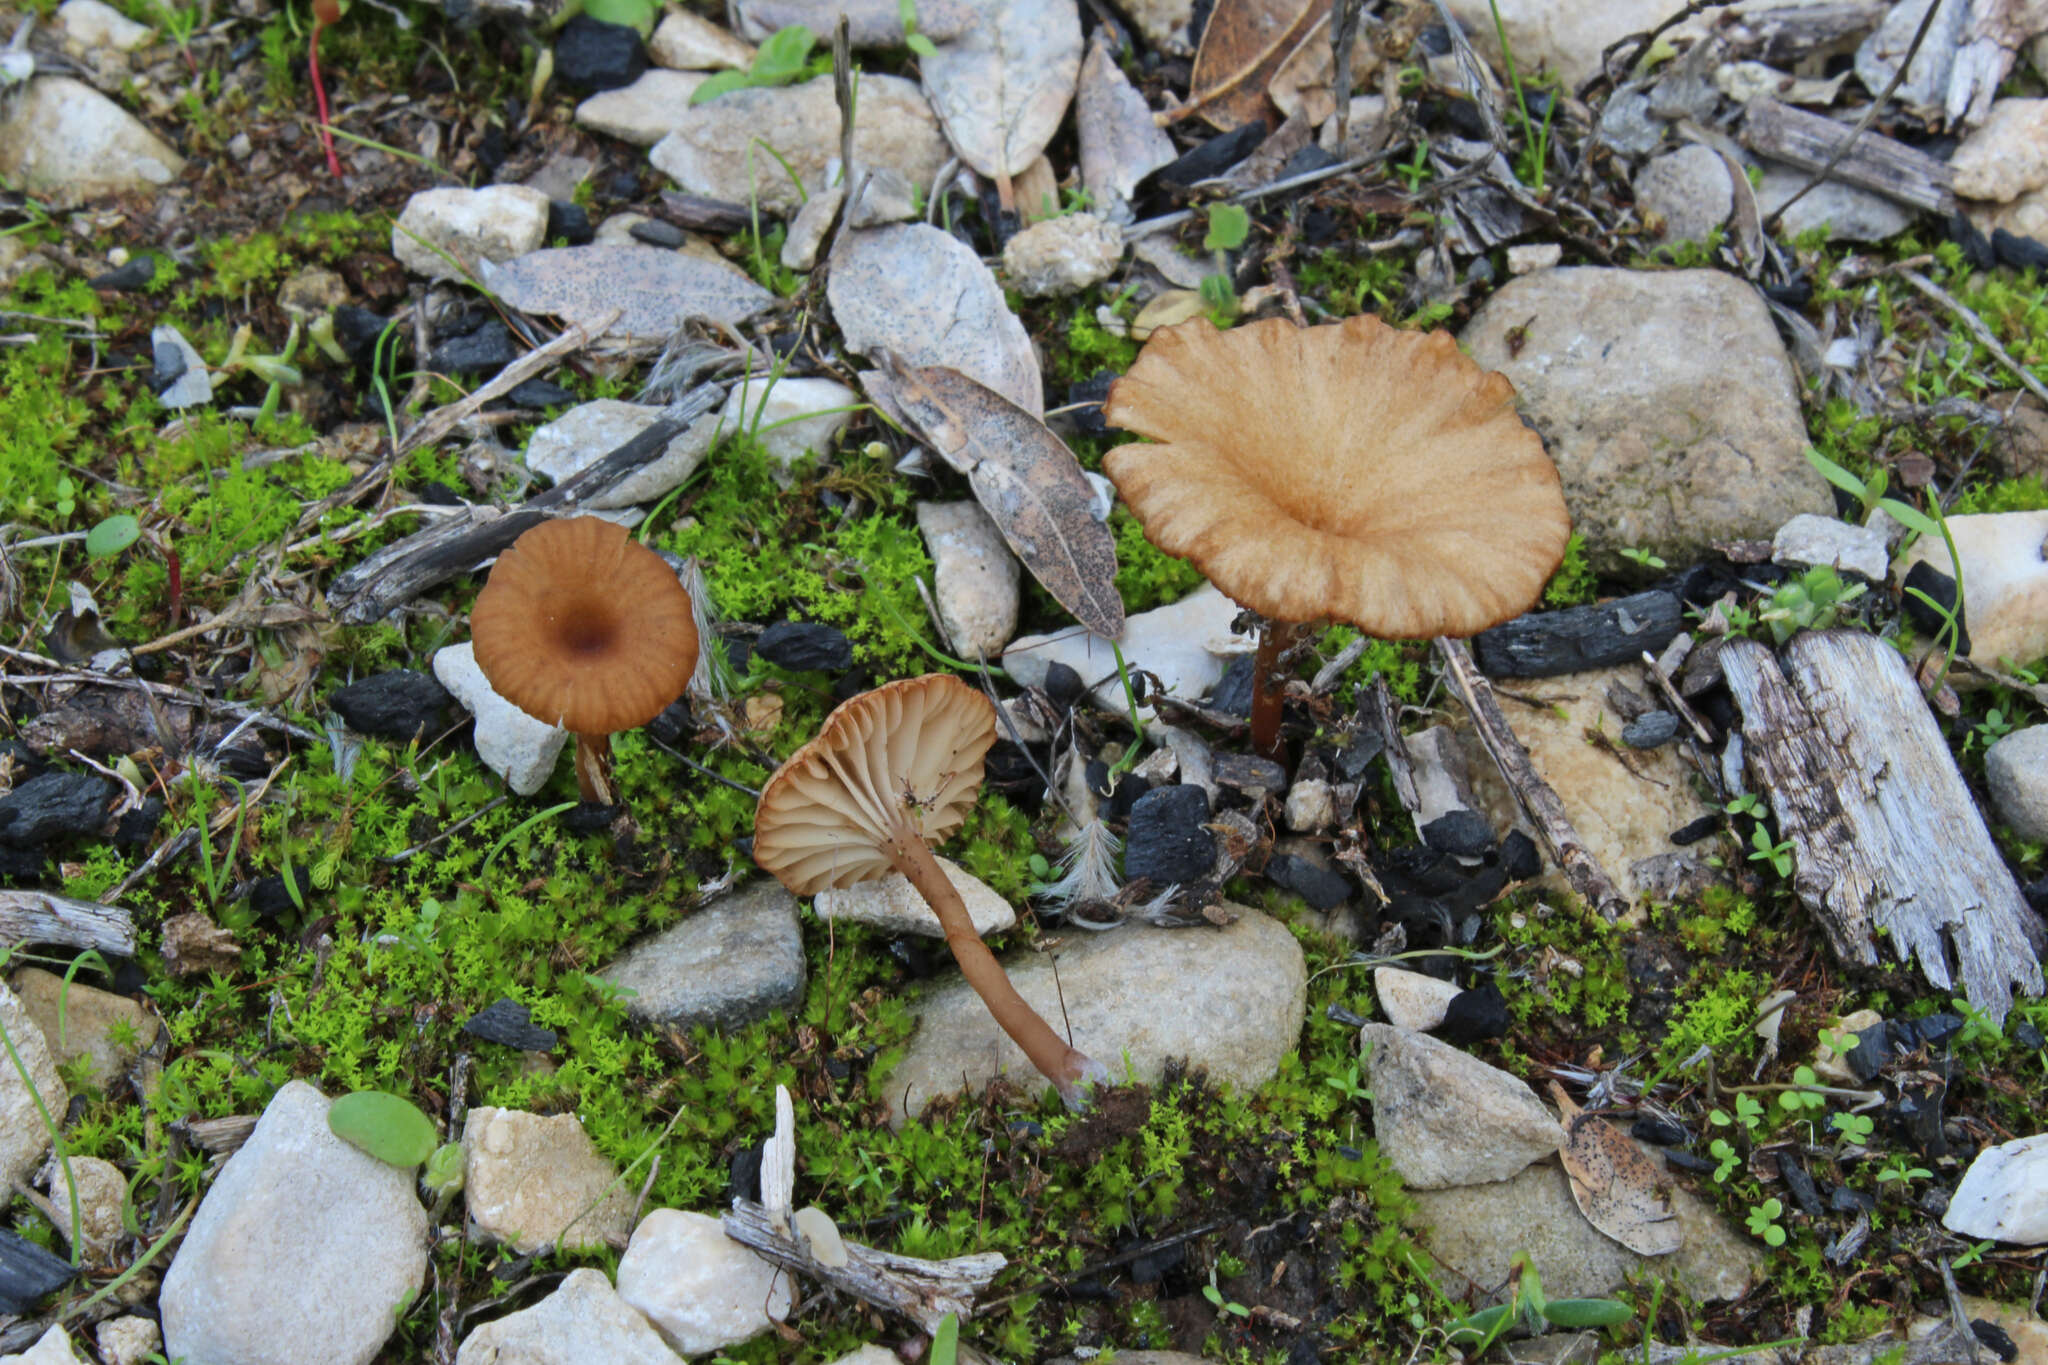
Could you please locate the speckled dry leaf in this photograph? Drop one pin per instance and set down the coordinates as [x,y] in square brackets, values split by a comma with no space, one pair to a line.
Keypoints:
[1120,145]
[871,23]
[1028,482]
[658,289]
[924,295]
[192,944]
[1617,1186]
[1242,48]
[1306,75]
[1002,88]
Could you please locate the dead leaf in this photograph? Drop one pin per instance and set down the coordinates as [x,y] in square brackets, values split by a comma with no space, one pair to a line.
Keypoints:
[1167,308]
[1120,145]
[1306,77]
[924,295]
[1242,49]
[1617,1186]
[1028,482]
[193,944]
[1002,88]
[658,289]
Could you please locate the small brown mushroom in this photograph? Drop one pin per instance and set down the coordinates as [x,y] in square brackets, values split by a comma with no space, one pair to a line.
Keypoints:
[583,627]
[1353,472]
[891,772]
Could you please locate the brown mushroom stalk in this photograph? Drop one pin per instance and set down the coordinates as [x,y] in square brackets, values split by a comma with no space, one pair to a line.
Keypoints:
[594,769]
[891,772]
[1269,688]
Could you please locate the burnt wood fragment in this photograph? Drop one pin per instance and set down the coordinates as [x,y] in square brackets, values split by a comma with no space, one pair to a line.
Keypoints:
[1542,644]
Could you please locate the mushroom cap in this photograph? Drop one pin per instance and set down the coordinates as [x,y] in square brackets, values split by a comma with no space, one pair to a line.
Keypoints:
[826,816]
[1356,471]
[583,627]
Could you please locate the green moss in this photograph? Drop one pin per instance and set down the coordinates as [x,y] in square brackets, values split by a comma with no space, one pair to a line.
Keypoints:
[1146,576]
[2026,494]
[1092,348]
[1569,965]
[1717,1010]
[1574,584]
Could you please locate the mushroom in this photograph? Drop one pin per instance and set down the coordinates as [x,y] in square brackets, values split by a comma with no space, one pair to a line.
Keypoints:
[583,627]
[1352,472]
[891,772]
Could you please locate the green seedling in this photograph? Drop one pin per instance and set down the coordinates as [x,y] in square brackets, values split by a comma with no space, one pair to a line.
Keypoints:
[1763,1222]
[1223,1305]
[1855,1128]
[635,14]
[1812,601]
[906,10]
[1643,557]
[1729,1158]
[780,60]
[389,1127]
[1229,225]
[1900,1169]
[111,536]
[1971,1257]
[1796,1101]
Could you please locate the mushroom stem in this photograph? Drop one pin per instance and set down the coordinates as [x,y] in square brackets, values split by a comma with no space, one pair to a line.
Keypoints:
[594,769]
[1068,1068]
[1268,688]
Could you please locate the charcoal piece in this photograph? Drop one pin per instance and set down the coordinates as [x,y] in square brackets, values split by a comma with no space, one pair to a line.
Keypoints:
[356,331]
[1703,828]
[1518,857]
[1249,773]
[1213,157]
[1657,1132]
[1313,879]
[1165,841]
[23,866]
[1354,758]
[591,56]
[122,279]
[1942,588]
[591,817]
[490,347]
[539,393]
[1650,731]
[1842,1199]
[1232,694]
[1152,1268]
[2021,253]
[1460,833]
[1085,400]
[654,232]
[1916,1117]
[437,494]
[270,897]
[1937,1029]
[743,1172]
[1474,1016]
[132,829]
[1804,1193]
[28,1273]
[1428,925]
[54,806]
[804,645]
[2028,1037]
[1976,246]
[403,705]
[508,1022]
[1064,685]
[1688,1161]
[569,223]
[1419,870]
[1867,1058]
[1794,293]
[673,724]
[1482,888]
[1545,643]
[1128,789]
[1994,1339]
[1308,159]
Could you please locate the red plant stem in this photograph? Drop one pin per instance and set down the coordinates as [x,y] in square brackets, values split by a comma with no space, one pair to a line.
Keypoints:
[1268,689]
[320,96]
[175,588]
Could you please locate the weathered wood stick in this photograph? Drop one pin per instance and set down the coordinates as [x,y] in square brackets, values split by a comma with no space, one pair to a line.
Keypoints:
[1887,836]
[45,917]
[1873,162]
[923,1291]
[1532,793]
[1378,703]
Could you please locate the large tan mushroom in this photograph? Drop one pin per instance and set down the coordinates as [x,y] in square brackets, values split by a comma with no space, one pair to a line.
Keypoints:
[1352,472]
[583,627]
[892,772]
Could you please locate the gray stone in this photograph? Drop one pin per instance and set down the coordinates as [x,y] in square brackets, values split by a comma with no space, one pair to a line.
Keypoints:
[892,905]
[1927,80]
[1229,1000]
[1474,1231]
[1809,540]
[64,142]
[1689,190]
[1411,1000]
[511,743]
[588,432]
[2008,156]
[52,1348]
[533,1180]
[24,1136]
[2005,581]
[719,147]
[701,1290]
[886,195]
[2016,770]
[299,1253]
[102,1189]
[974,576]
[1444,1118]
[194,386]
[1187,644]
[1566,39]
[1662,443]
[583,1320]
[685,42]
[644,112]
[809,226]
[1311,806]
[89,24]
[1062,255]
[109,1030]
[1365,131]
[791,418]
[2004,1194]
[736,960]
[495,224]
[877,1355]
[1626,123]
[1849,214]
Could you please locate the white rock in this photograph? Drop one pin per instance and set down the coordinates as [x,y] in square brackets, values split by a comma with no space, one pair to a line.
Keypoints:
[2005,581]
[1365,130]
[1927,80]
[1186,643]
[590,431]
[685,42]
[127,1340]
[644,112]
[790,417]
[1445,1118]
[1062,255]
[1689,190]
[700,1289]
[299,1253]
[532,1180]
[1443,779]
[893,905]
[1531,257]
[815,1226]
[1310,806]
[2004,1194]
[1808,539]
[52,1348]
[583,1320]
[1412,1000]
[101,1191]
[193,387]
[877,1355]
[1567,39]
[90,24]
[65,142]
[23,1135]
[2007,156]
[2016,770]
[975,577]
[108,1030]
[511,743]
[492,224]
[808,228]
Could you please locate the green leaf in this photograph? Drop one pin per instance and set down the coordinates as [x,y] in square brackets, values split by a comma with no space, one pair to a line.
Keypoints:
[946,1341]
[388,1127]
[1587,1312]
[638,14]
[1480,1326]
[714,86]
[112,536]
[1834,473]
[447,1168]
[1912,518]
[1228,227]
[921,45]
[783,56]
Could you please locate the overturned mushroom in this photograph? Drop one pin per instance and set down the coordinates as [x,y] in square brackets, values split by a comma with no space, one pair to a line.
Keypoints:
[1352,472]
[892,772]
[583,627]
